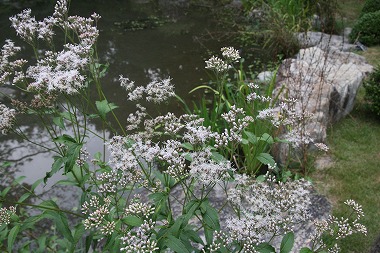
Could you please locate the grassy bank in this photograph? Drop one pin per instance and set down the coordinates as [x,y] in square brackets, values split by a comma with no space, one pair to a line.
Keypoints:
[355,150]
[355,174]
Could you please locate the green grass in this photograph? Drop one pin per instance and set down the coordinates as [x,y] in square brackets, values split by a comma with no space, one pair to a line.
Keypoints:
[354,146]
[350,10]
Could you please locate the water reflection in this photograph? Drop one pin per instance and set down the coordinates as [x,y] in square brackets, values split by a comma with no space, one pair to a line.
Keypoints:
[153,52]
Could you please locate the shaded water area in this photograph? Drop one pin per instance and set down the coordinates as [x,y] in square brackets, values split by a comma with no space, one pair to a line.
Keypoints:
[140,39]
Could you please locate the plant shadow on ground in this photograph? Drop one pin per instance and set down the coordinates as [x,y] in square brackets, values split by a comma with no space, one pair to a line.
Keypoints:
[355,174]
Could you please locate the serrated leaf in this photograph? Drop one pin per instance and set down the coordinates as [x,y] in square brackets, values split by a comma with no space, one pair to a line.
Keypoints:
[266,158]
[133,221]
[187,145]
[35,184]
[176,244]
[251,137]
[72,156]
[18,180]
[60,221]
[5,191]
[306,250]
[104,107]
[65,139]
[12,237]
[267,138]
[217,157]
[57,165]
[58,121]
[265,248]
[24,197]
[287,243]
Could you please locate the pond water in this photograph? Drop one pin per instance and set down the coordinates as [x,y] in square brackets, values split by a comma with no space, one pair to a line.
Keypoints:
[139,39]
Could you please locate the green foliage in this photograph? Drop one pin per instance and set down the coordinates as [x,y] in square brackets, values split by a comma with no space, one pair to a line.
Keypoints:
[367,29]
[372,91]
[370,6]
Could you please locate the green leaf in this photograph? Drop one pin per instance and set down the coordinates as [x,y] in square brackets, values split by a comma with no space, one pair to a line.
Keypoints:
[57,165]
[194,236]
[24,197]
[204,87]
[306,250]
[58,121]
[251,137]
[265,248]
[18,180]
[265,158]
[176,244]
[267,138]
[60,221]
[244,141]
[133,221]
[72,155]
[12,237]
[217,157]
[35,184]
[187,145]
[287,243]
[104,107]
[65,139]
[211,221]
[5,191]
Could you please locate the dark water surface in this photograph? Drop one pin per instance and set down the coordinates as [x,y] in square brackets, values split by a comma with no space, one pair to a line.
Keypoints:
[139,39]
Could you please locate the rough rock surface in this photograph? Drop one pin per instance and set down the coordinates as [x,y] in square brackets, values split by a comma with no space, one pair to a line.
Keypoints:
[325,84]
[326,41]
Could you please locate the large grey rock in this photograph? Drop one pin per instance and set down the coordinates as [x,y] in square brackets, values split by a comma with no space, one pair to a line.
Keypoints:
[326,41]
[325,83]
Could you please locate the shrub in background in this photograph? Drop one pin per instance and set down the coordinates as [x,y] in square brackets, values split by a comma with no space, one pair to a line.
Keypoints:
[372,91]
[367,29]
[370,6]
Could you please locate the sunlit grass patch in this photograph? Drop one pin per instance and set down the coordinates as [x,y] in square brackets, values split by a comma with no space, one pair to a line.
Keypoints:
[354,144]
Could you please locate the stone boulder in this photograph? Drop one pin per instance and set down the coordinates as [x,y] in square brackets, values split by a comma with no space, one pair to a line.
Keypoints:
[325,83]
[326,41]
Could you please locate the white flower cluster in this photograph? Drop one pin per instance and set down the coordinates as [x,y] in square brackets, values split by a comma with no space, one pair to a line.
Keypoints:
[7,118]
[8,67]
[140,240]
[238,121]
[62,71]
[230,54]
[206,170]
[322,146]
[139,209]
[339,228]
[218,65]
[97,215]
[157,91]
[6,214]
[267,209]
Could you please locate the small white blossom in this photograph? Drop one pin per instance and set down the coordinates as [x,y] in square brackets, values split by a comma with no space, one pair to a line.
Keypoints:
[159,91]
[230,54]
[25,25]
[7,118]
[322,147]
[217,64]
